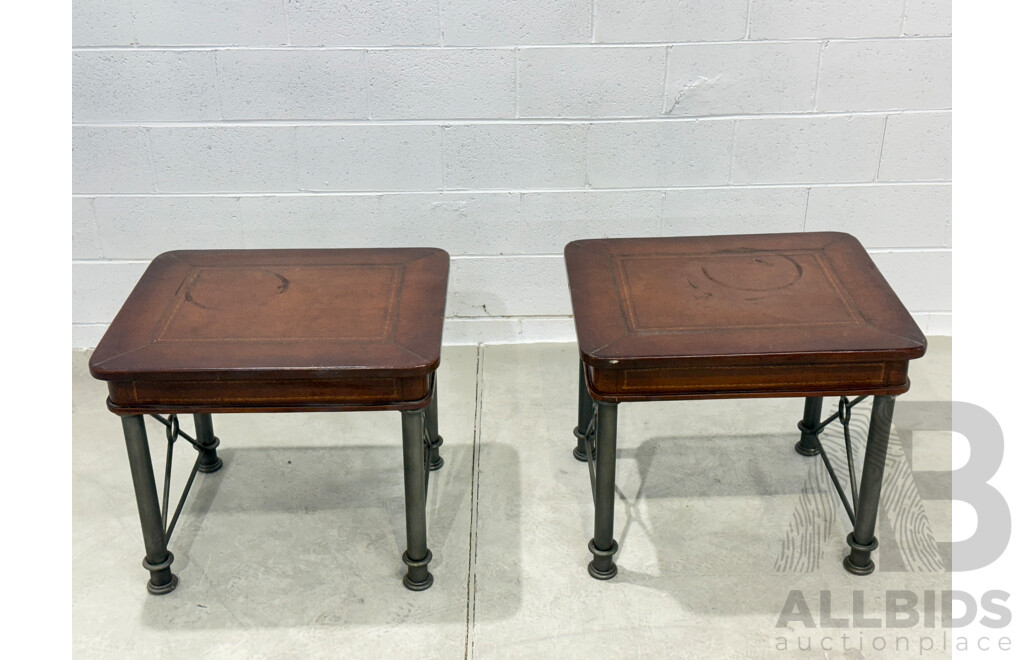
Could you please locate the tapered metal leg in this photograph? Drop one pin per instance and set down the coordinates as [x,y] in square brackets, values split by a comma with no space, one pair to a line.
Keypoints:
[862,539]
[209,461]
[603,545]
[584,412]
[812,417]
[158,560]
[416,556]
[436,461]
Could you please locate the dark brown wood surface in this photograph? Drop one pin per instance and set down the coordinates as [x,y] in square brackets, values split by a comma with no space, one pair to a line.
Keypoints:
[721,316]
[219,330]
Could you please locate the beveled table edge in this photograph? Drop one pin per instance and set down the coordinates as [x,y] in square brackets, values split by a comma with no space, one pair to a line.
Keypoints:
[268,375]
[825,358]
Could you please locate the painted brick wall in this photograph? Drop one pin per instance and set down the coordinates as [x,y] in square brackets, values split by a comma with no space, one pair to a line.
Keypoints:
[500,130]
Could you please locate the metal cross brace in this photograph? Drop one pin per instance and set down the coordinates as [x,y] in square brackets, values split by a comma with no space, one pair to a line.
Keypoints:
[590,439]
[428,445]
[174,431]
[843,415]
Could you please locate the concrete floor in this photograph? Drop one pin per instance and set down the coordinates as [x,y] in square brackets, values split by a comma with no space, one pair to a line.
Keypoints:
[293,549]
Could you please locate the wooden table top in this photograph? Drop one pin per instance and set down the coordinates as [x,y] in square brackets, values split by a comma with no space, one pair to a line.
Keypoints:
[807,298]
[274,315]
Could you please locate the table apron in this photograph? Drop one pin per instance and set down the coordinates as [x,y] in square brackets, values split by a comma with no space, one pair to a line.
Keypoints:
[299,395]
[745,381]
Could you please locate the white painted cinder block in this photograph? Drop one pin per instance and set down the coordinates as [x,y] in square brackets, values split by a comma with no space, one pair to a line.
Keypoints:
[935,323]
[731,79]
[473,331]
[378,23]
[310,221]
[450,84]
[806,19]
[101,23]
[508,286]
[535,329]
[98,289]
[143,86]
[105,160]
[511,22]
[733,211]
[886,75]
[143,227]
[922,280]
[515,156]
[206,22]
[551,220]
[591,82]
[928,17]
[460,223]
[85,241]
[224,158]
[885,216]
[287,158]
[643,154]
[476,224]
[87,335]
[344,158]
[292,84]
[917,147]
[669,20]
[500,131]
[807,150]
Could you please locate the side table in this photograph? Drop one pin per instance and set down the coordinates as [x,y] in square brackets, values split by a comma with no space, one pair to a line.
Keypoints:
[772,315]
[242,331]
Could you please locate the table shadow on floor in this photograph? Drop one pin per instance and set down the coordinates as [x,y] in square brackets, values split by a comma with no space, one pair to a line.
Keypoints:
[716,512]
[314,537]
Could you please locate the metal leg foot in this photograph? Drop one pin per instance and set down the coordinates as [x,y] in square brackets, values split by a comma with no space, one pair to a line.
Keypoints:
[161,580]
[812,417]
[603,545]
[862,540]
[436,460]
[859,561]
[579,452]
[417,556]
[418,578]
[158,560]
[585,411]
[602,566]
[209,461]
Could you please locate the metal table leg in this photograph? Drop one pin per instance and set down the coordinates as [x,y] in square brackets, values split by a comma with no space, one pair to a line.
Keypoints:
[158,559]
[584,413]
[603,545]
[436,461]
[209,461]
[862,539]
[417,557]
[812,417]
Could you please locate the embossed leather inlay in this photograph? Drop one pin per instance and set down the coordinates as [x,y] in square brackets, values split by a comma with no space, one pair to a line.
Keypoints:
[729,291]
[285,303]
